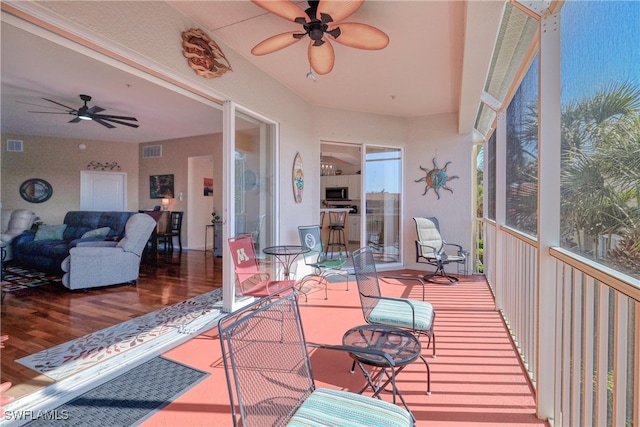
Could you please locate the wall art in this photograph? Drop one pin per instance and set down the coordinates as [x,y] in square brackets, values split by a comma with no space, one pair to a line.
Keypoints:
[161,186]
[436,178]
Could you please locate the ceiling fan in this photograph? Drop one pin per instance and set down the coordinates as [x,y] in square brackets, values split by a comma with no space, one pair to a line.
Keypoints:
[322,22]
[91,113]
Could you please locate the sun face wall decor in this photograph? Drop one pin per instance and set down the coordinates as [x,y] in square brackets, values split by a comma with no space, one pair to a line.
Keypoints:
[203,55]
[436,178]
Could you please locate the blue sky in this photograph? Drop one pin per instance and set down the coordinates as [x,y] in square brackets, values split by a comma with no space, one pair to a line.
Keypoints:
[600,45]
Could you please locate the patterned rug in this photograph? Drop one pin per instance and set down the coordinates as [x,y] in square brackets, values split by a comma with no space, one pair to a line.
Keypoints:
[71,357]
[127,399]
[16,278]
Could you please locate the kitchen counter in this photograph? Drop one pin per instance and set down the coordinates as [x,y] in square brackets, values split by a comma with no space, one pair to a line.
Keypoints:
[335,210]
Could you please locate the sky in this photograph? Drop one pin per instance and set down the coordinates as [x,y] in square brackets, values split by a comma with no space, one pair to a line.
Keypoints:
[600,45]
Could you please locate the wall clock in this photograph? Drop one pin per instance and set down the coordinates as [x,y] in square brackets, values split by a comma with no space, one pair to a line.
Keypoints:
[36,190]
[203,55]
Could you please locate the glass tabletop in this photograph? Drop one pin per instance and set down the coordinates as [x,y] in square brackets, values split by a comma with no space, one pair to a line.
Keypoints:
[402,346]
[285,250]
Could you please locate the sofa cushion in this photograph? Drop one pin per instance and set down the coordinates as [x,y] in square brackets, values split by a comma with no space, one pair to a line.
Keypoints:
[98,232]
[50,232]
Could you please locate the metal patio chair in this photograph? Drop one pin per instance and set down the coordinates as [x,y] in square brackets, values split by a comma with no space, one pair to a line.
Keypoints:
[432,249]
[269,374]
[323,267]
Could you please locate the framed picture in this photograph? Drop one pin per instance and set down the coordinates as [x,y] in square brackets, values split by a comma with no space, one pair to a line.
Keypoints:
[161,186]
[208,187]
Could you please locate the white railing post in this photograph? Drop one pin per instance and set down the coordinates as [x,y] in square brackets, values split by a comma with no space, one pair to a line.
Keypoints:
[548,205]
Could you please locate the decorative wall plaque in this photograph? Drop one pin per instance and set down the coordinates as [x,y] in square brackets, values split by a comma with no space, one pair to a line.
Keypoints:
[203,54]
[436,178]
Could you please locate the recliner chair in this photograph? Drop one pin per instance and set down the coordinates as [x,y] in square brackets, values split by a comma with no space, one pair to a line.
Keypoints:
[14,223]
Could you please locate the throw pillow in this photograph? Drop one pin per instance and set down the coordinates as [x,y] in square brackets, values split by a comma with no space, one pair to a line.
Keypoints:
[98,232]
[50,232]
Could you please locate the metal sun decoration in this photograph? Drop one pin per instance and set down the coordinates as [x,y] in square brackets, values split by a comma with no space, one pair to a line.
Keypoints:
[436,178]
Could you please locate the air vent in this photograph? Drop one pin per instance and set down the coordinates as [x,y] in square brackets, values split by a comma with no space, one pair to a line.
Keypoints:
[14,145]
[151,151]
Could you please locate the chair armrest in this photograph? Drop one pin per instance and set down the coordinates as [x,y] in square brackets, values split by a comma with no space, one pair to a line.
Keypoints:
[93,251]
[351,349]
[417,279]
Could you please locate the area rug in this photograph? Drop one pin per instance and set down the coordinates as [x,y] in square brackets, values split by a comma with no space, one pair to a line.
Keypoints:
[127,399]
[16,278]
[73,356]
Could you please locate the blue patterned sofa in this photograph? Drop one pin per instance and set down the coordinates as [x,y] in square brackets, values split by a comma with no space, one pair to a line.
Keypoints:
[46,248]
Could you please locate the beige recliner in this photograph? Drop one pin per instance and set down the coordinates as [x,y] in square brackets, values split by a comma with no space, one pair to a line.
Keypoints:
[104,263]
[14,223]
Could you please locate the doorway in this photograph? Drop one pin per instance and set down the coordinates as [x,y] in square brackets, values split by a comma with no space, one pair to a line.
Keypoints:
[103,191]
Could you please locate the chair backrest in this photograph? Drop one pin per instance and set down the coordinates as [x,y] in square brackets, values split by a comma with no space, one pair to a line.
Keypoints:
[337,218]
[244,257]
[310,237]
[176,221]
[266,361]
[368,286]
[137,231]
[428,237]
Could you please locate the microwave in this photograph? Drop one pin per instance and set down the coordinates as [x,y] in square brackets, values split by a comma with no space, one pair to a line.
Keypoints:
[336,193]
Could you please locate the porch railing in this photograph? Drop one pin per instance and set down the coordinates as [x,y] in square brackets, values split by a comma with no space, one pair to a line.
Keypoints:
[597,336]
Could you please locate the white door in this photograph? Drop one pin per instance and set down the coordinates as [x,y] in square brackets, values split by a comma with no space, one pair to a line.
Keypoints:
[103,191]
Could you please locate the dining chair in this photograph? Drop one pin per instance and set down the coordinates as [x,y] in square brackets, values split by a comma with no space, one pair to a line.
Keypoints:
[251,280]
[174,229]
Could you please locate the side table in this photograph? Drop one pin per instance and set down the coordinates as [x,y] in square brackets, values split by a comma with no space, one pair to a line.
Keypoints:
[402,346]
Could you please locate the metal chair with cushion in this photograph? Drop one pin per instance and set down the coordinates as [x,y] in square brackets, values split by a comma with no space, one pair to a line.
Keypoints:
[404,313]
[432,249]
[250,279]
[269,374]
[323,267]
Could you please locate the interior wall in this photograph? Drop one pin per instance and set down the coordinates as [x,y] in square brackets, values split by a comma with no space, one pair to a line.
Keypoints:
[436,137]
[199,205]
[59,162]
[175,161]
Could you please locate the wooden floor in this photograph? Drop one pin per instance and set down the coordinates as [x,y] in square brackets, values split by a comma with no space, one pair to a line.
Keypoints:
[40,318]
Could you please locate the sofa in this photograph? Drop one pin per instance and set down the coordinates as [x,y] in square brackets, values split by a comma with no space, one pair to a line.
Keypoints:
[92,264]
[45,248]
[14,223]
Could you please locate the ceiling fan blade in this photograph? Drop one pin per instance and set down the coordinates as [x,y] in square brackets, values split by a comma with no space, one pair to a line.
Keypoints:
[111,119]
[37,105]
[76,120]
[283,8]
[109,116]
[338,9]
[95,109]
[103,123]
[361,36]
[321,57]
[275,43]
[62,105]
[52,112]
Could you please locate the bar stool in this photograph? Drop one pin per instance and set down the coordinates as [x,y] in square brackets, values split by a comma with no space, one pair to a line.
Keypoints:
[337,237]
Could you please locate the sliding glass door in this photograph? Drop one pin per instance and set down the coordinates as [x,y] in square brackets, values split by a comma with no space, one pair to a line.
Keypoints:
[383,203]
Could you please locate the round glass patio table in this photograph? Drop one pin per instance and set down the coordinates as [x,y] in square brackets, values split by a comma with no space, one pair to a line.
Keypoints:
[286,254]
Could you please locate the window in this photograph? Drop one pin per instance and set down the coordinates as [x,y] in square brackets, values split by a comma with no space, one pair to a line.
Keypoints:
[522,155]
[600,180]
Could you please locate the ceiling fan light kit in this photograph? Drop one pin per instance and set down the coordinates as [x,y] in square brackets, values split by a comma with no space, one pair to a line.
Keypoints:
[321,22]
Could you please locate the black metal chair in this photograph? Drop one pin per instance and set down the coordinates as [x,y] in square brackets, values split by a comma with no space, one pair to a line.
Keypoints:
[432,249]
[173,230]
[404,313]
[269,374]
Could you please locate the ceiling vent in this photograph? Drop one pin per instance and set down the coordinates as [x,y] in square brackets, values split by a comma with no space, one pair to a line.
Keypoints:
[151,151]
[14,145]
